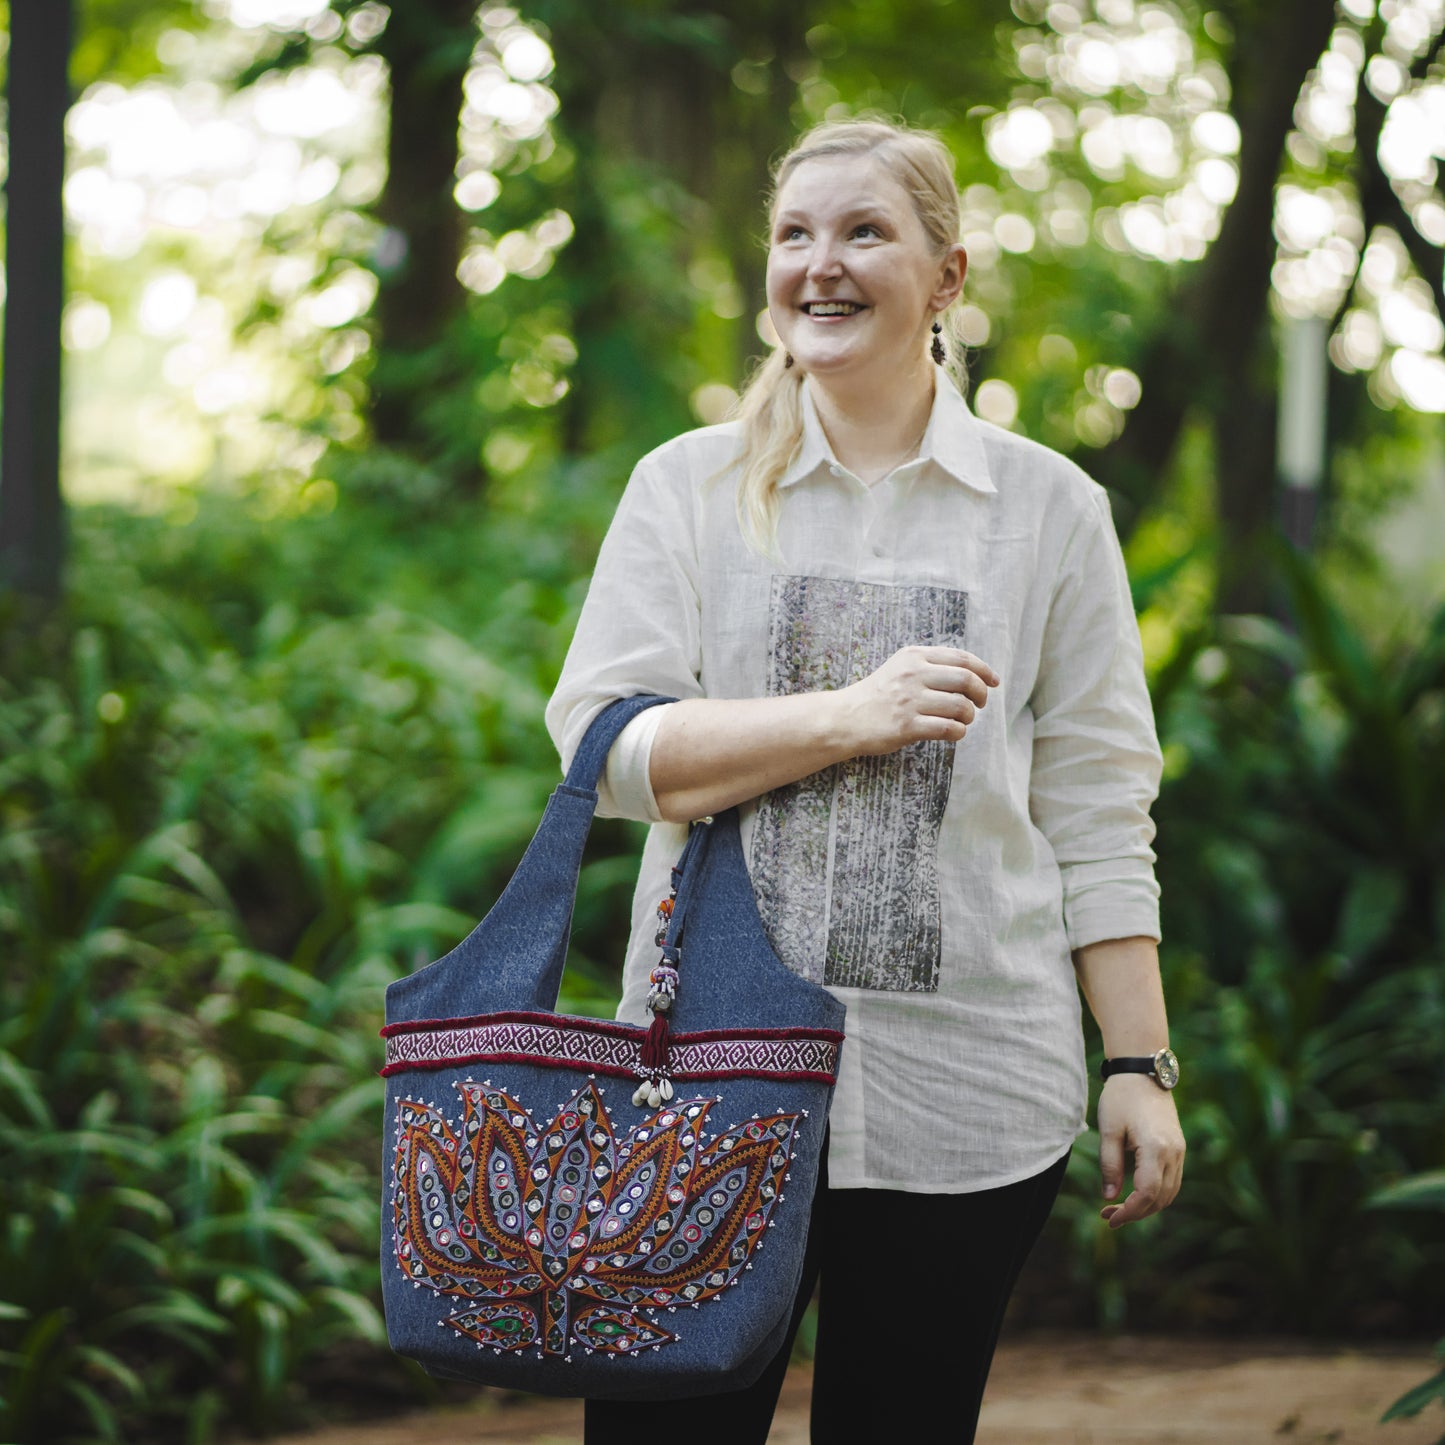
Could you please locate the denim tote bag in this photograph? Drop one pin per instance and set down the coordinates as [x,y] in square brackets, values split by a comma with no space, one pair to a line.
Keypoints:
[575,1206]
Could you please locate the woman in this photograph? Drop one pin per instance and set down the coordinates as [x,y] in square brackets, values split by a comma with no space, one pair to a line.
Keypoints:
[902,641]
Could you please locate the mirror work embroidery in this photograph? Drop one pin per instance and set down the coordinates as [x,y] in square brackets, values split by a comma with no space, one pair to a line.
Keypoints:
[570,1235]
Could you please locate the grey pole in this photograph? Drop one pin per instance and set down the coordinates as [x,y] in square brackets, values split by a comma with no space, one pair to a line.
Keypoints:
[1300,455]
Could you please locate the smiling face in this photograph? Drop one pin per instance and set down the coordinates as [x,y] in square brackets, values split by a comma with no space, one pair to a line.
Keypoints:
[853,281]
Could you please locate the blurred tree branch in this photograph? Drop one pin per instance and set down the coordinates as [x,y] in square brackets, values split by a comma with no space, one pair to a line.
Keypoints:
[1380,202]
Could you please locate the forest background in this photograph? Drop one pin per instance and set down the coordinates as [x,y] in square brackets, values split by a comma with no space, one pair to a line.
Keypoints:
[366,315]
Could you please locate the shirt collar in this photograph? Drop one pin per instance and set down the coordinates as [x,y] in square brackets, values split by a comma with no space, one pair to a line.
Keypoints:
[953,440]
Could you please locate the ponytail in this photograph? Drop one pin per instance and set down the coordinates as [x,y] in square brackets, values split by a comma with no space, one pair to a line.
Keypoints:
[771,411]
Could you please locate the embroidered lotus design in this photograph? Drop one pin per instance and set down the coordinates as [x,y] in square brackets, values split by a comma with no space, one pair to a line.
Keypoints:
[571,1234]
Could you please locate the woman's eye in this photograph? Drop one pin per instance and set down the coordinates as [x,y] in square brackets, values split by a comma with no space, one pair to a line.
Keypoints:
[867,226]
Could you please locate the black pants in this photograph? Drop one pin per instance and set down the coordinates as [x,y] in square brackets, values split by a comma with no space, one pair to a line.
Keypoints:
[913,1291]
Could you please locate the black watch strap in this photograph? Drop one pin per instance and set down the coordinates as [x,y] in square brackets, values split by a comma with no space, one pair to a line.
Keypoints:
[1140,1064]
[1163,1067]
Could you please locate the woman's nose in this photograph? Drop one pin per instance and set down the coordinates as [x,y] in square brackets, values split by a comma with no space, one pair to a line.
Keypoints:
[823,259]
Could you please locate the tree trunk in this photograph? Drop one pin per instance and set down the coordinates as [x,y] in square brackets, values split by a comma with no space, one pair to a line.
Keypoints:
[764,128]
[646,95]
[32,516]
[1244,425]
[1202,352]
[427,45]
[636,105]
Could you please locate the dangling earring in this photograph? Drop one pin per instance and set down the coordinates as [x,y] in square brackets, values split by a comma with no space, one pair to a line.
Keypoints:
[787,360]
[939,354]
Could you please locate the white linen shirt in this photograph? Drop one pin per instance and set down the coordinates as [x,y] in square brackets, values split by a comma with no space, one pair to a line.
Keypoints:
[936,891]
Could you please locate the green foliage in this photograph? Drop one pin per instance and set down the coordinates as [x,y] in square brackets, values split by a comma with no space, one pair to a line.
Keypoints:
[277,752]
[116,39]
[1301,835]
[239,796]
[1412,1402]
[1423,1191]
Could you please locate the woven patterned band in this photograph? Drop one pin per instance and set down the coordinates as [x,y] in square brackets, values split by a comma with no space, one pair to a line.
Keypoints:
[610,1049]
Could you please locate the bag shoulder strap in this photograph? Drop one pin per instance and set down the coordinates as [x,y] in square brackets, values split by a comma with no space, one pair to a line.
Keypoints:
[591,754]
[513,958]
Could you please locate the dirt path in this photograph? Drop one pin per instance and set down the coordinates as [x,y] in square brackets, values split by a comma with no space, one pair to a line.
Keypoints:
[1066,1390]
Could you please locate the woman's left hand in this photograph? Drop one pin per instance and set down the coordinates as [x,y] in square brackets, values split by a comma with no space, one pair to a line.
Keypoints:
[1137,1117]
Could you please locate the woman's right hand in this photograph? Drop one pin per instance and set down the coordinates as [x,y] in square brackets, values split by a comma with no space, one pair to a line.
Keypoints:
[919,694]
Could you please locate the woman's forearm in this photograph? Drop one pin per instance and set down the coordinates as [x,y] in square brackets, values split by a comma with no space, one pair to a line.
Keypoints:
[710,753]
[1120,980]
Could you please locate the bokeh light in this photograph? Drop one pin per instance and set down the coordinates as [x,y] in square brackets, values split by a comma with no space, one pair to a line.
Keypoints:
[997,402]
[245,211]
[713,402]
[248,210]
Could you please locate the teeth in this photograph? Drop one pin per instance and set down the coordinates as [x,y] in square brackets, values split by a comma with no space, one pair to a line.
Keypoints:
[832,308]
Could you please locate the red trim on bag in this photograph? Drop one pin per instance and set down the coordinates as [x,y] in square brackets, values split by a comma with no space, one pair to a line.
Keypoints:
[605,1026]
[633,1035]
[544,1061]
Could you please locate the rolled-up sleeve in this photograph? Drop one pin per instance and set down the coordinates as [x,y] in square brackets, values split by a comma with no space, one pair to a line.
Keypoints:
[639,631]
[1096,760]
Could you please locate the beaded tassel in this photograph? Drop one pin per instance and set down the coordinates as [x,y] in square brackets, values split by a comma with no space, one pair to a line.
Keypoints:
[656,1087]
[662,993]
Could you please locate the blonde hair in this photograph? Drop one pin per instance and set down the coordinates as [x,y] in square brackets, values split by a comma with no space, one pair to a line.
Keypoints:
[770,407]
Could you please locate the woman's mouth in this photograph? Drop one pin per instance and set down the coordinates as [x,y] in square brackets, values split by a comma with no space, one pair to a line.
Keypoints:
[820,309]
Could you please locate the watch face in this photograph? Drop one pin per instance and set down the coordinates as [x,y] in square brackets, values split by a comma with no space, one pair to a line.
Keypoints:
[1166,1068]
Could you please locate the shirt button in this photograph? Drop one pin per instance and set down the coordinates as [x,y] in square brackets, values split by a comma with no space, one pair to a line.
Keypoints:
[878,549]
[835,469]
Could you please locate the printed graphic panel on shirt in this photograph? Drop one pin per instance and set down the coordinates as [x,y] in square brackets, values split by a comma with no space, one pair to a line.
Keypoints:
[845,862]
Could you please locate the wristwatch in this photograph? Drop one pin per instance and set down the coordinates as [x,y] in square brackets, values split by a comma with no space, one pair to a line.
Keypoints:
[1163,1067]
